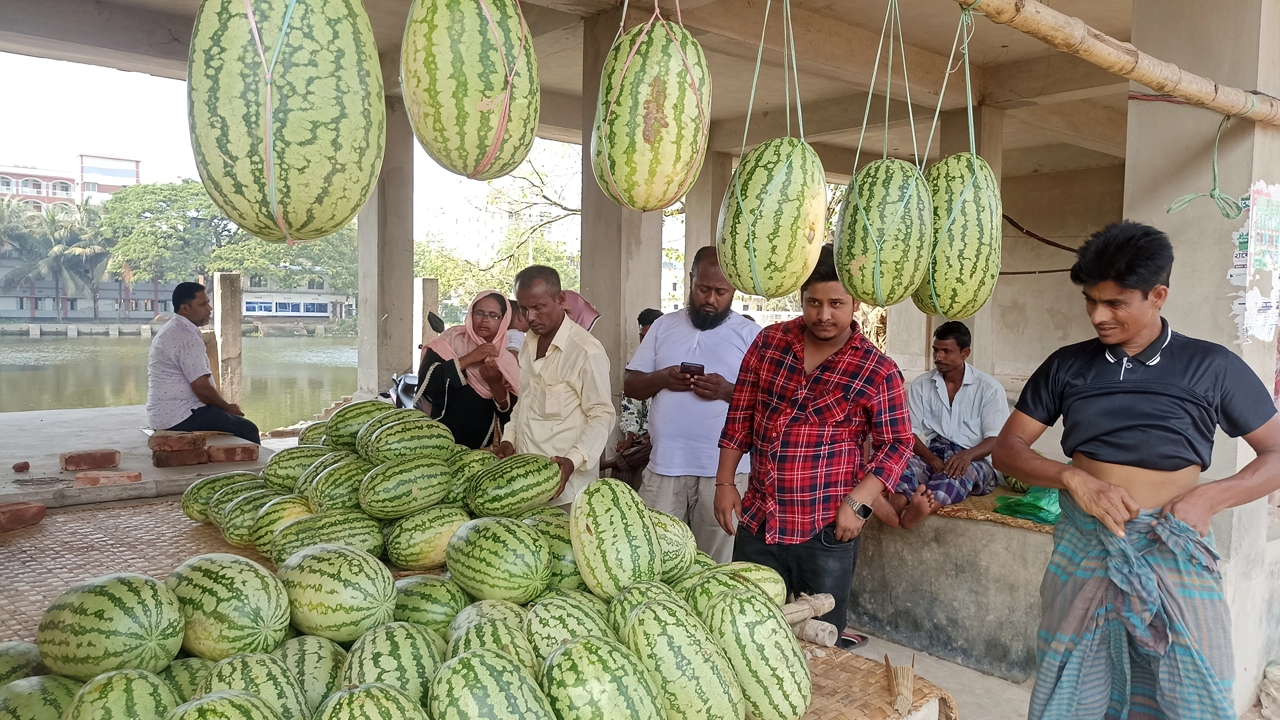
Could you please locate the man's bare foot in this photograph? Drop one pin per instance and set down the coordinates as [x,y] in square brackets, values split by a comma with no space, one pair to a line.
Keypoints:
[898,501]
[934,505]
[918,509]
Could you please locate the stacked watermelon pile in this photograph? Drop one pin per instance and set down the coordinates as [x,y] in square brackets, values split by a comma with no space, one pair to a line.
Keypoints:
[609,611]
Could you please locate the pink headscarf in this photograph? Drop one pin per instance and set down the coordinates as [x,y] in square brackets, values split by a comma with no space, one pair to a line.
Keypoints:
[580,311]
[462,339]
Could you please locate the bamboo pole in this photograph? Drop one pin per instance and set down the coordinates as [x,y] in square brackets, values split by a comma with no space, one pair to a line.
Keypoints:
[1072,35]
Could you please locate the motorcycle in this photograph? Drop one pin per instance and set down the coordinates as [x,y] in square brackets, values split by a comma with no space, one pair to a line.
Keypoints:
[404,388]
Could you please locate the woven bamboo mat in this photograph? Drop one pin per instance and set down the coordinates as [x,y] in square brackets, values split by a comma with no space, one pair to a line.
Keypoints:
[984,508]
[39,563]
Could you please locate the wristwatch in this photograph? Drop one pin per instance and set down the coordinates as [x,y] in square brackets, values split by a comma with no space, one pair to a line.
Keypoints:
[861,509]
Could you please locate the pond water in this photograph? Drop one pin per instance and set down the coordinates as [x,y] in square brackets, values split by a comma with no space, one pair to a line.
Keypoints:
[285,379]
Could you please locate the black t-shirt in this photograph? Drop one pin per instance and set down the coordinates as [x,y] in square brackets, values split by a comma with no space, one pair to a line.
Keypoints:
[1156,410]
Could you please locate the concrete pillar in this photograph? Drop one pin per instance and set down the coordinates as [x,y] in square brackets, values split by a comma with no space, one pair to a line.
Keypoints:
[426,299]
[145,330]
[73,331]
[113,331]
[210,337]
[228,311]
[1169,154]
[621,249]
[33,330]
[702,204]
[385,248]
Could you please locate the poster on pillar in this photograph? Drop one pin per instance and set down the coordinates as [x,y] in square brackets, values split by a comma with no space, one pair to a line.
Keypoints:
[1264,226]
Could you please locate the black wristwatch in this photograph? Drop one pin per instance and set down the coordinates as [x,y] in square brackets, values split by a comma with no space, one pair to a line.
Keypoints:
[861,509]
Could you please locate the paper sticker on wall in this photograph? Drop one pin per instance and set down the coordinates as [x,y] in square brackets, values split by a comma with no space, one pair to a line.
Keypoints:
[1264,226]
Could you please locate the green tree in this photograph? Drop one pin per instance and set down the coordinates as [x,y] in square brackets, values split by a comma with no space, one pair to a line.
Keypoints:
[48,252]
[333,258]
[165,232]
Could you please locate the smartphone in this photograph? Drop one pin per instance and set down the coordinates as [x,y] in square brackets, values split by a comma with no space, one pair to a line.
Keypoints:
[692,369]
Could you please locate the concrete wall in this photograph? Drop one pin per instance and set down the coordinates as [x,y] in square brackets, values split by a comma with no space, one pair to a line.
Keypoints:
[1037,314]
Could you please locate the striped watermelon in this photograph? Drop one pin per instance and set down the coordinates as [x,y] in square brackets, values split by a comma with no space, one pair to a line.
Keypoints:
[336,527]
[419,437]
[507,612]
[366,433]
[593,677]
[559,619]
[313,433]
[122,695]
[464,466]
[40,697]
[308,477]
[600,606]
[653,116]
[224,497]
[18,660]
[402,487]
[239,517]
[225,705]
[113,622]
[419,541]
[316,663]
[773,218]
[470,84]
[338,487]
[371,701]
[285,467]
[632,597]
[693,676]
[613,538]
[497,635]
[541,511]
[347,422]
[231,605]
[195,501]
[677,543]
[964,257]
[263,675]
[513,484]
[499,559]
[701,561]
[766,578]
[485,684]
[274,515]
[398,654]
[430,601]
[748,628]
[709,585]
[338,592]
[185,676]
[886,231]
[324,121]
[555,531]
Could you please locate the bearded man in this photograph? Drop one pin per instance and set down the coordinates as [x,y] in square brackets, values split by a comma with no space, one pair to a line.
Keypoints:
[688,363]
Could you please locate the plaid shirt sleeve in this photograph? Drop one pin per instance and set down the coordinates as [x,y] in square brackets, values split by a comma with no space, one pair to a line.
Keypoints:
[891,439]
[739,425]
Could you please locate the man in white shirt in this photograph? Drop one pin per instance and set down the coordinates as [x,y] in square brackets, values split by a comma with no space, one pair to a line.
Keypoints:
[566,408]
[688,363]
[957,411]
[180,394]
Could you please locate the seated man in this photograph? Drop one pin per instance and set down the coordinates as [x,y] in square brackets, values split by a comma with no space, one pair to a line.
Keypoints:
[180,394]
[957,412]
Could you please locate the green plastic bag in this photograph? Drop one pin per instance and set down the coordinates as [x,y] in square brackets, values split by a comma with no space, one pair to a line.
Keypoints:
[1038,505]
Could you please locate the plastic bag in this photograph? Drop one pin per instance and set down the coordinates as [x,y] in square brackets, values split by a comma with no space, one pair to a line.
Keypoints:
[1269,692]
[1038,505]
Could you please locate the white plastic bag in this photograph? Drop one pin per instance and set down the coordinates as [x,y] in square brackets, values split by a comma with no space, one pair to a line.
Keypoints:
[1269,691]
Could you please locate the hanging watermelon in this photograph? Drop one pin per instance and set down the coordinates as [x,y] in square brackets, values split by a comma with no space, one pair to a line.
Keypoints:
[653,116]
[773,218]
[287,118]
[470,83]
[886,231]
[964,261]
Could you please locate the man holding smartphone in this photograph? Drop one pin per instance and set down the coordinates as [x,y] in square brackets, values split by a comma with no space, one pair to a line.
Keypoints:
[688,363]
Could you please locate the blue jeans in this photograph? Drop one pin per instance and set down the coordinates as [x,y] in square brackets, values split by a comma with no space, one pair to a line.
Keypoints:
[820,564]
[208,417]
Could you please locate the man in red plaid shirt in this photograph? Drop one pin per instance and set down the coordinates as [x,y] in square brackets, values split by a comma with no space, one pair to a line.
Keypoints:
[808,395]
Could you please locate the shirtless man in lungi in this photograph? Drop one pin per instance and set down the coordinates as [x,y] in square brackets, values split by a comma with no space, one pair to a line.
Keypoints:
[1133,615]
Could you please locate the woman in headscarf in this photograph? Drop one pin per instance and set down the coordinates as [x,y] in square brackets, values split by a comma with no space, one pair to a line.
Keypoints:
[467,377]
[580,311]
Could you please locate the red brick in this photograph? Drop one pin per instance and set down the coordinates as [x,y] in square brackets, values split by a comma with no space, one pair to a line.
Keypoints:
[166,441]
[94,478]
[180,458]
[90,459]
[19,515]
[236,452]
[21,466]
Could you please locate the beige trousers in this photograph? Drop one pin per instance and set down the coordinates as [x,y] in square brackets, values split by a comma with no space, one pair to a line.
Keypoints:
[692,499]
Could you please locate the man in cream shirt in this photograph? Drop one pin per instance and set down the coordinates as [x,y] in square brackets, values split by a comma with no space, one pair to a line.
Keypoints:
[566,407]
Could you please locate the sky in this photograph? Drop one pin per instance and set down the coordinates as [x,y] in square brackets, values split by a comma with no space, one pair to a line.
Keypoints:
[67,109]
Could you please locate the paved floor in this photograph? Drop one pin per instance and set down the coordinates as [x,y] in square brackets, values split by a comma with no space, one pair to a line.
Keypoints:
[40,437]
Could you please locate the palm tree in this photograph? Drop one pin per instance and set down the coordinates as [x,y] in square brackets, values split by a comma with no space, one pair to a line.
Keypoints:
[92,252]
[46,254]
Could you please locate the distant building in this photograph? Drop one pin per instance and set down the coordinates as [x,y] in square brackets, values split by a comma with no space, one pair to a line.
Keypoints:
[95,178]
[265,299]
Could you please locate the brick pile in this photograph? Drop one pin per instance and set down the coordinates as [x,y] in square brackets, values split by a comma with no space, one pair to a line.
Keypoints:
[179,449]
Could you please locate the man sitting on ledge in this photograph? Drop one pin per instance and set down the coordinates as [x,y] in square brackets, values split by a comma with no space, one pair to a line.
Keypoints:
[180,394]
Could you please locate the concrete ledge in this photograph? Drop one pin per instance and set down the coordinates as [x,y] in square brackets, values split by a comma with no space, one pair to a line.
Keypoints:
[963,590]
[58,497]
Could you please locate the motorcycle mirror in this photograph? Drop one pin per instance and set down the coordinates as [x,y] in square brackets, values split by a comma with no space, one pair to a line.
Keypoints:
[435,322]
